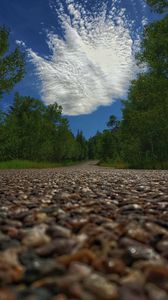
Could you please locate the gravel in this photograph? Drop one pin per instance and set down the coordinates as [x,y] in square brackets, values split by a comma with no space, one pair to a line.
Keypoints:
[84,232]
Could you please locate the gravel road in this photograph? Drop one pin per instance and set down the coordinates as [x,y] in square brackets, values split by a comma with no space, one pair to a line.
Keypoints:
[83,232]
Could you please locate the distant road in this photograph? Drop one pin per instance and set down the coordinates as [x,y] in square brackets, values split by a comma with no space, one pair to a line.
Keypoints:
[83,232]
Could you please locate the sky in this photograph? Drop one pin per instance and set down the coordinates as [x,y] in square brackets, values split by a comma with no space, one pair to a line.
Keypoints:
[79,53]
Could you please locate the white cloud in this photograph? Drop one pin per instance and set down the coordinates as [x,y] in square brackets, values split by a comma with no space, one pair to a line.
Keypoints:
[20,43]
[93,65]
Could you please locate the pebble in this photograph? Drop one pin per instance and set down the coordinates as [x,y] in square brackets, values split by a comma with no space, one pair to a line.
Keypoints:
[99,286]
[137,252]
[6,294]
[35,236]
[155,293]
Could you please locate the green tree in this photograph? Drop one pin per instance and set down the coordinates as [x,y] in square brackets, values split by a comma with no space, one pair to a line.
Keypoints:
[33,131]
[82,146]
[95,146]
[141,138]
[144,126]
[159,6]
[155,47]
[11,65]
[112,123]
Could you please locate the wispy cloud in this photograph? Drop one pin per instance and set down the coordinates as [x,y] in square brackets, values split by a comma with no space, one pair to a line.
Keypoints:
[20,43]
[93,64]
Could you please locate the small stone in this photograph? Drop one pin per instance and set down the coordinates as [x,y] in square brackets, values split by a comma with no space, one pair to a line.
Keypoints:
[9,243]
[57,231]
[83,255]
[59,246]
[65,196]
[158,275]
[156,229]
[3,237]
[138,252]
[35,294]
[133,277]
[86,190]
[75,196]
[36,236]
[10,268]
[138,234]
[131,207]
[6,294]
[141,188]
[81,269]
[41,217]
[13,232]
[115,266]
[60,297]
[132,292]
[156,293]
[162,246]
[100,287]
[144,265]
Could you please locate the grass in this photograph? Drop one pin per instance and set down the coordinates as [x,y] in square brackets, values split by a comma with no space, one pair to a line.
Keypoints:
[113,164]
[26,164]
[118,164]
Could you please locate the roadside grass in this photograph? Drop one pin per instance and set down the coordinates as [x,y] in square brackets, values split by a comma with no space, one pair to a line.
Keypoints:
[26,164]
[119,164]
[113,164]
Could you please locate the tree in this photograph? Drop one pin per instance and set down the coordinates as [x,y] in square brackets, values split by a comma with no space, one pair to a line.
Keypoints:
[113,123]
[95,146]
[31,130]
[155,47]
[141,138]
[144,125]
[82,146]
[11,65]
[159,6]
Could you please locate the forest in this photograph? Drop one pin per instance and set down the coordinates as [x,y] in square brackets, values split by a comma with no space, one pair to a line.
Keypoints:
[30,130]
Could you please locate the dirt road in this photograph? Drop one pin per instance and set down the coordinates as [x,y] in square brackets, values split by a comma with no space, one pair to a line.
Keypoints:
[83,232]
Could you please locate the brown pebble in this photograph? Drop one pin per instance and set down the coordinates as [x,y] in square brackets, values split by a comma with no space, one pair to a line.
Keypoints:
[158,275]
[84,255]
[6,294]
[60,297]
[101,287]
[155,293]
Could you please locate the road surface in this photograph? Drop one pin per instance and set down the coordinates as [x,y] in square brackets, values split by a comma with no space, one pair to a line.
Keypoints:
[83,232]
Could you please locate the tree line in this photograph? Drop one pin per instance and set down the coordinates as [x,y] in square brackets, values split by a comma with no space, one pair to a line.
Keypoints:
[30,130]
[140,139]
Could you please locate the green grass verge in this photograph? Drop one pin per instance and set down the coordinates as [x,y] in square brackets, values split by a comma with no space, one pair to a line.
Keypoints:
[26,164]
[113,164]
[145,166]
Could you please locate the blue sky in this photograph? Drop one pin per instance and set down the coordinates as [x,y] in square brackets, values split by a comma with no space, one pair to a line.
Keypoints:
[80,54]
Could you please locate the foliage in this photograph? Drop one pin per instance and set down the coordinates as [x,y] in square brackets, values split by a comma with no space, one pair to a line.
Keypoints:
[116,164]
[144,126]
[82,146]
[113,123]
[26,164]
[11,64]
[32,131]
[106,145]
[155,47]
[29,130]
[140,140]
[159,6]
